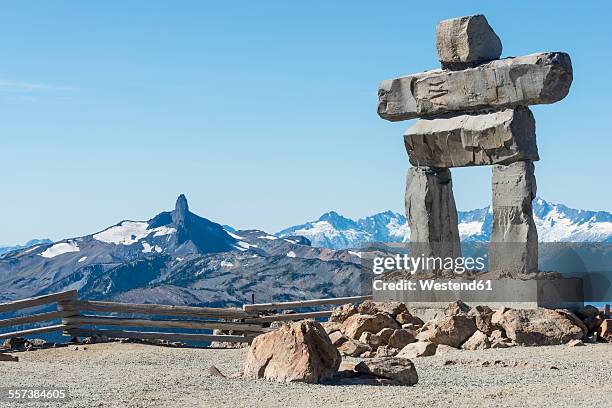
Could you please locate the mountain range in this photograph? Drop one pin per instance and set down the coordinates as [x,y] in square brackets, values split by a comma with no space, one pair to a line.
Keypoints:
[555,223]
[178,257]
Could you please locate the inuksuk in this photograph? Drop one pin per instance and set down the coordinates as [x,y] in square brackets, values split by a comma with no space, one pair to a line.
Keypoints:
[474,112]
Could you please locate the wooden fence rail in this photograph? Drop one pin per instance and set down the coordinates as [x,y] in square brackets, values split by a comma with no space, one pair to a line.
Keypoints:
[242,325]
[304,303]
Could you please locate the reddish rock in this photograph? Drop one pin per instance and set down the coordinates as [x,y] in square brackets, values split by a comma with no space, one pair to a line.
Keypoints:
[386,351]
[296,352]
[451,330]
[539,327]
[384,335]
[456,307]
[391,308]
[482,318]
[478,341]
[400,371]
[401,338]
[419,349]
[356,324]
[353,348]
[337,338]
[331,327]
[341,313]
[407,318]
[370,339]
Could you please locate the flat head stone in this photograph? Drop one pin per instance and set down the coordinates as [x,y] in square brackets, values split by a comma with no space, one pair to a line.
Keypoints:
[535,79]
[466,42]
[456,140]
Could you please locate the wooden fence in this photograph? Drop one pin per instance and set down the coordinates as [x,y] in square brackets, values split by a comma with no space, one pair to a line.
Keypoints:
[244,324]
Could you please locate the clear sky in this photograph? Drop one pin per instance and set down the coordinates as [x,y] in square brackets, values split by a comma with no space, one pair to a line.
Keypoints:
[262,113]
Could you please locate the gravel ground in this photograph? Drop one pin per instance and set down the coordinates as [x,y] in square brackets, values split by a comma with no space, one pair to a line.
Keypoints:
[136,375]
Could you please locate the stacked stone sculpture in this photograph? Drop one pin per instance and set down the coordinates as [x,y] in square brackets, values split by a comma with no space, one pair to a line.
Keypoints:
[474,112]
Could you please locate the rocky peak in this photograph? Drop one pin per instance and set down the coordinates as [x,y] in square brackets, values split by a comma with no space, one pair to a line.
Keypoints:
[181,210]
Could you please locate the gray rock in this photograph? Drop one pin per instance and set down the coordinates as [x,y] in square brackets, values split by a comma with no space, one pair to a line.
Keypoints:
[529,80]
[514,237]
[466,41]
[431,213]
[458,140]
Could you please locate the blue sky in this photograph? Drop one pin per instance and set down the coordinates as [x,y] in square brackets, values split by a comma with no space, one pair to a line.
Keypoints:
[262,113]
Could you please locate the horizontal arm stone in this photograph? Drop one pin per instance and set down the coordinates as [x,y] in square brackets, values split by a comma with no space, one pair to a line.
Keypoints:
[501,137]
[529,80]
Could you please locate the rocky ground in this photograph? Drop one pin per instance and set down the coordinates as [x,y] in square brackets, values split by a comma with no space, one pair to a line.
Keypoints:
[136,375]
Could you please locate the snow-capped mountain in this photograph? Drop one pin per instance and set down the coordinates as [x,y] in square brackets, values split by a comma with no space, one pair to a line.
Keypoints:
[178,257]
[29,244]
[555,223]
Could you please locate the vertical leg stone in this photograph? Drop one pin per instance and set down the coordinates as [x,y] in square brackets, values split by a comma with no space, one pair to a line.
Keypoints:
[514,237]
[431,213]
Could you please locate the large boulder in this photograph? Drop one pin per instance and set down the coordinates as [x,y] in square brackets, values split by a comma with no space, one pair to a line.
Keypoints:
[450,330]
[296,352]
[400,371]
[540,327]
[356,324]
[419,349]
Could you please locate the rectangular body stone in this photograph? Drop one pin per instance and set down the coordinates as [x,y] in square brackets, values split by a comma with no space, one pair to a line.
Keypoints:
[529,80]
[501,137]
[514,237]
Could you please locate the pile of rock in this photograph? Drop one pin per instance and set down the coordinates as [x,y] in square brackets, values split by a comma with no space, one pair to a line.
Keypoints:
[386,329]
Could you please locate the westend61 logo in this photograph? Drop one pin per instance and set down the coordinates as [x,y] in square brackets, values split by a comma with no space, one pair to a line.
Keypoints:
[405,263]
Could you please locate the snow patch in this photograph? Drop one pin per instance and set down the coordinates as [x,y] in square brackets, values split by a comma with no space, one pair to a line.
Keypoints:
[231,234]
[270,237]
[226,264]
[130,232]
[82,259]
[291,254]
[467,229]
[358,254]
[59,249]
